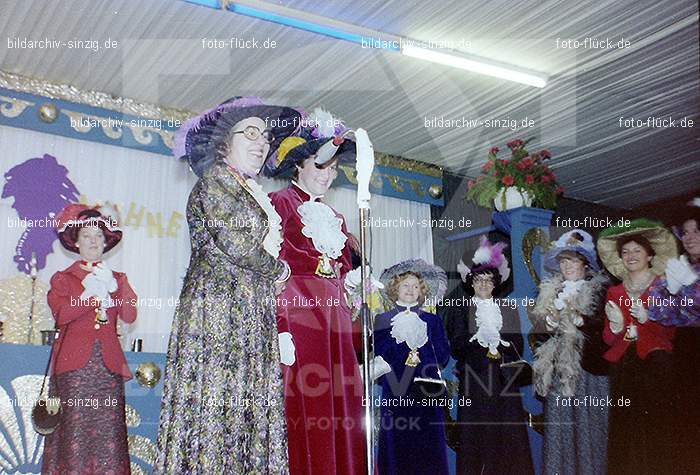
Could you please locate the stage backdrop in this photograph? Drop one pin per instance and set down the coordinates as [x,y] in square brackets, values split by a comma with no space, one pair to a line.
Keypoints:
[43,172]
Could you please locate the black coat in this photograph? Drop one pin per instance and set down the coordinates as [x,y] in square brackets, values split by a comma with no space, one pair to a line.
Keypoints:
[492,418]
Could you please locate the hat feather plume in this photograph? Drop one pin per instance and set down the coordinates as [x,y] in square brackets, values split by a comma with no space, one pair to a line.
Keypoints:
[490,255]
[324,123]
[482,255]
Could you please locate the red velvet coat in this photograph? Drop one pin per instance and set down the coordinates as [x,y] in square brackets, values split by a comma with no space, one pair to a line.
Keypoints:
[323,388]
[651,335]
[76,320]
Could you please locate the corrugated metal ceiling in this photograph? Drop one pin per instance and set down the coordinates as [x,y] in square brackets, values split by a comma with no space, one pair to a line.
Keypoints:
[160,59]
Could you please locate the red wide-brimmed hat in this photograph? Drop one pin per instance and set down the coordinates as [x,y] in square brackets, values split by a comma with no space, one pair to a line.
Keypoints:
[76,216]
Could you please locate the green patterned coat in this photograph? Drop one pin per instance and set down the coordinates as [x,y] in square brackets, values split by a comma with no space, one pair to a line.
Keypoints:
[223,404]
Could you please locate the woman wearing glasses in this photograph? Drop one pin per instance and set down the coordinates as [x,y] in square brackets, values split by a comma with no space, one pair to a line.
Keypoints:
[323,388]
[223,408]
[492,421]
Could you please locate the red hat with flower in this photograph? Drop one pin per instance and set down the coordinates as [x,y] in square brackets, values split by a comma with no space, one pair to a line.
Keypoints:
[76,216]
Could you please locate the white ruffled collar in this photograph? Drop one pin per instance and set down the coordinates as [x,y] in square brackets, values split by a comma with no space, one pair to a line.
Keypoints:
[272,243]
[489,322]
[323,227]
[408,307]
[575,284]
[569,289]
[407,325]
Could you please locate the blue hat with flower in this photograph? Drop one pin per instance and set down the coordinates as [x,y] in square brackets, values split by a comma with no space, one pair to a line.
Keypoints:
[577,241]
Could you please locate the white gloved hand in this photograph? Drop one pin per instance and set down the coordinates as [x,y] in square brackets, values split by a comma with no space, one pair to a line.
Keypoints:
[378,368]
[409,328]
[639,312]
[353,278]
[615,317]
[364,164]
[104,274]
[679,273]
[94,288]
[287,349]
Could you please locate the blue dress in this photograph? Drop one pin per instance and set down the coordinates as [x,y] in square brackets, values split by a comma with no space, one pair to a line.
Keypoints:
[412,431]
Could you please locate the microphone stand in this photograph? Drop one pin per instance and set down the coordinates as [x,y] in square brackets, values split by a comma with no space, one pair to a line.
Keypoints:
[32,274]
[364,167]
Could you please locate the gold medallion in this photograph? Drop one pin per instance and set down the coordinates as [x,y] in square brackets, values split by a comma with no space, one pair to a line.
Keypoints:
[631,333]
[324,268]
[101,317]
[413,358]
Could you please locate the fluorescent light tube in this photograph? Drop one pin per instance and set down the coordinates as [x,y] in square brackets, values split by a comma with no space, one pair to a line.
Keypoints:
[318,27]
[206,3]
[479,66]
[371,39]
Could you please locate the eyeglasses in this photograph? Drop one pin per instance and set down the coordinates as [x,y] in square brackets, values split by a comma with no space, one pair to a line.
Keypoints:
[252,133]
[483,281]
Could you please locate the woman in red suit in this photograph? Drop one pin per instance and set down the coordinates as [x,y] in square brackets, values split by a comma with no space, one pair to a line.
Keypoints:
[641,422]
[323,387]
[88,365]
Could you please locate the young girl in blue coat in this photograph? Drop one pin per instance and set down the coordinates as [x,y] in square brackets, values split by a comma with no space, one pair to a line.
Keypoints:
[410,343]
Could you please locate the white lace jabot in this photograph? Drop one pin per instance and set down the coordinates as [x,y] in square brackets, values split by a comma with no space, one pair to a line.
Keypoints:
[569,289]
[407,326]
[273,240]
[489,322]
[323,227]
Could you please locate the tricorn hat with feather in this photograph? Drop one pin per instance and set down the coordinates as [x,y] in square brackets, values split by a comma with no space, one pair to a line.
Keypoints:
[321,135]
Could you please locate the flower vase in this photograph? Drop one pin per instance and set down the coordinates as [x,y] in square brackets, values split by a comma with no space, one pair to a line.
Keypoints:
[511,197]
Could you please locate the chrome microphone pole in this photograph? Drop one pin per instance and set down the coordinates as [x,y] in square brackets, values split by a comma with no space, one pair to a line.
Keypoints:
[367,332]
[364,167]
[32,275]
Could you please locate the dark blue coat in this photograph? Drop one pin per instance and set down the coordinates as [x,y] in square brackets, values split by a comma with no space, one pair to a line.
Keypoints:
[412,434]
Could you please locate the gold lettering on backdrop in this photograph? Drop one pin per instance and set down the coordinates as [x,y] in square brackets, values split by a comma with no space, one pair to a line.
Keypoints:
[154,221]
[155,224]
[132,217]
[173,225]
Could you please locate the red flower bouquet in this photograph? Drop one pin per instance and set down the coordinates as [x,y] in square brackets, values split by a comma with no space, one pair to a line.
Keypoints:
[526,172]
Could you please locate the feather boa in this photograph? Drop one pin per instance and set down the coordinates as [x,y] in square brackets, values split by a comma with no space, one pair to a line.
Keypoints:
[559,358]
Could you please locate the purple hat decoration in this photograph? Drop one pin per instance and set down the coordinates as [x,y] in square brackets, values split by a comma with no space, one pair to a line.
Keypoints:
[487,256]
